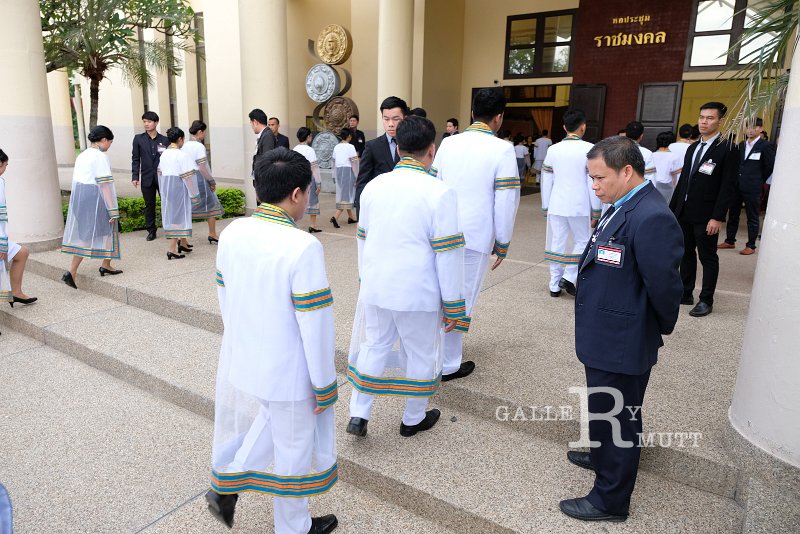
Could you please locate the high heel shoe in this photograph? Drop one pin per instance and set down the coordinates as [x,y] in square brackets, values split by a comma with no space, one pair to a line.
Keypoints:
[67,279]
[172,255]
[104,271]
[312,230]
[351,220]
[212,240]
[335,223]
[181,248]
[30,300]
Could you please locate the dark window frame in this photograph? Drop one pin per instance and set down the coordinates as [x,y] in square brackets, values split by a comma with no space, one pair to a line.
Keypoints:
[539,46]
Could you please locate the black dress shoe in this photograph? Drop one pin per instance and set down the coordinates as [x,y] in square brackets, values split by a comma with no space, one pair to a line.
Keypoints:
[312,230]
[222,506]
[584,510]
[431,416]
[465,370]
[351,221]
[173,256]
[323,524]
[568,286]
[182,249]
[357,426]
[212,240]
[687,300]
[67,279]
[701,310]
[104,271]
[581,459]
[555,293]
[335,223]
[151,235]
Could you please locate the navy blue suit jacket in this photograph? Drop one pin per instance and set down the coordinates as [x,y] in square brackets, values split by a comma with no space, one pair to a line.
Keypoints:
[621,313]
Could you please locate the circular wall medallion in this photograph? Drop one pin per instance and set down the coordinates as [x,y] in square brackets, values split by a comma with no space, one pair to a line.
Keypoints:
[323,145]
[322,82]
[334,44]
[338,112]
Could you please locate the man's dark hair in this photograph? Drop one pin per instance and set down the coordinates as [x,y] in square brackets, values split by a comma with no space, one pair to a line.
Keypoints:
[634,130]
[415,135]
[150,116]
[303,133]
[519,138]
[418,112]
[276,119]
[487,104]
[763,134]
[573,119]
[617,152]
[356,117]
[545,132]
[721,108]
[695,132]
[685,131]
[506,134]
[344,133]
[174,133]
[3,156]
[197,126]
[664,139]
[279,172]
[259,116]
[758,122]
[394,102]
[453,121]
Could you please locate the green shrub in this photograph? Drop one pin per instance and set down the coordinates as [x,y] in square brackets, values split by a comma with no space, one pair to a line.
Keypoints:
[232,201]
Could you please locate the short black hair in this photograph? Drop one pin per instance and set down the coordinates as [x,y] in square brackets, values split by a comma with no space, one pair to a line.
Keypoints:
[303,133]
[418,112]
[150,116]
[415,135]
[259,116]
[344,133]
[634,130]
[276,119]
[453,121]
[487,104]
[721,108]
[573,119]
[394,102]
[175,133]
[3,156]
[197,126]
[685,131]
[545,132]
[617,152]
[695,132]
[664,139]
[763,134]
[279,172]
[99,133]
[356,117]
[757,121]
[518,138]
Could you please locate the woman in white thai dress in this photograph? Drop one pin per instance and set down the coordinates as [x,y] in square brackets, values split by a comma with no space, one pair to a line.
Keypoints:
[345,166]
[304,136]
[209,207]
[92,228]
[179,194]
[13,256]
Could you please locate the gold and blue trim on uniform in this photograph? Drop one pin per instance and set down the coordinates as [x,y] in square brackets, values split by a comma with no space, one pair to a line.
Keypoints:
[506,183]
[547,168]
[410,164]
[462,324]
[563,259]
[201,160]
[650,172]
[312,211]
[544,212]
[312,301]
[278,486]
[178,233]
[481,127]
[327,396]
[107,179]
[596,214]
[105,254]
[500,249]
[3,213]
[433,172]
[186,175]
[450,242]
[400,387]
[454,309]
[573,137]
[344,205]
[275,214]
[3,245]
[113,213]
[219,278]
[6,296]
[207,214]
[361,233]
[195,201]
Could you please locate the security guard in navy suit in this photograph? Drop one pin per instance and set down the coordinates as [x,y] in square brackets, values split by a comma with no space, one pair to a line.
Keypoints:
[628,294]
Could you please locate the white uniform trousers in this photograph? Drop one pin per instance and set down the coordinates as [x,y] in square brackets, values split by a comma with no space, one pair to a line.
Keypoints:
[418,332]
[560,229]
[475,266]
[283,434]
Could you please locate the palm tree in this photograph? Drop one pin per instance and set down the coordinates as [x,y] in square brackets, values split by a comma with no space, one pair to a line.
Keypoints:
[93,36]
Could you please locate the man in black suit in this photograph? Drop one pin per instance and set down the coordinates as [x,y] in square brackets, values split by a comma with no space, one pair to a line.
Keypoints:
[265,141]
[380,154]
[757,159]
[145,156]
[451,128]
[358,140]
[280,139]
[628,294]
[700,202]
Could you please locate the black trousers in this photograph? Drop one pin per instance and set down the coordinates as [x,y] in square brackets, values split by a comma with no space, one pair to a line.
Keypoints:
[752,202]
[149,195]
[615,467]
[697,243]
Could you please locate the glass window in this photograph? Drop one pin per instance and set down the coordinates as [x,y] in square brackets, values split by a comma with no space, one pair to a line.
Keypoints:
[710,50]
[521,61]
[714,15]
[539,44]
[558,29]
[555,59]
[523,32]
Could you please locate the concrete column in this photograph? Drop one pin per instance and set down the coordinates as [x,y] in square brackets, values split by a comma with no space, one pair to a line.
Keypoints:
[60,109]
[26,130]
[265,70]
[395,49]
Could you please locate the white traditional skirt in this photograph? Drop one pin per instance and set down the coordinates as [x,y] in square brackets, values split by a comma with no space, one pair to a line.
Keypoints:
[208,206]
[5,281]
[345,188]
[665,189]
[176,205]
[89,231]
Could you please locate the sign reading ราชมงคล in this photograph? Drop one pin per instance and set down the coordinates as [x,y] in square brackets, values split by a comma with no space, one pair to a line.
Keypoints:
[631,39]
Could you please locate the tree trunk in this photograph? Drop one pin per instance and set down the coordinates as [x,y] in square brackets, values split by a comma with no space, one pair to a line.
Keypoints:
[94,98]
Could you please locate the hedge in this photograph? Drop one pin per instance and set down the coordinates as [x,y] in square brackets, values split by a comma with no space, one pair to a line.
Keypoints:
[131,210]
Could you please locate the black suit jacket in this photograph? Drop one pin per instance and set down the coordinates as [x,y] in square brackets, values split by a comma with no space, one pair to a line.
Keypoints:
[756,167]
[359,141]
[621,313]
[265,143]
[377,159]
[145,157]
[282,140]
[700,197]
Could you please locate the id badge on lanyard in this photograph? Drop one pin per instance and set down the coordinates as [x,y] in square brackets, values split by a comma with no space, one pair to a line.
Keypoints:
[610,254]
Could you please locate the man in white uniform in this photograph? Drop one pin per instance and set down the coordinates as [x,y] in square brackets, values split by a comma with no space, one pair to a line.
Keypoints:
[568,203]
[482,169]
[539,153]
[276,381]
[635,131]
[410,263]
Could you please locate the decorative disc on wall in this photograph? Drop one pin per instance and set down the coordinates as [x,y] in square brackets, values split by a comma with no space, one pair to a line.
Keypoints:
[322,82]
[323,145]
[334,44]
[338,112]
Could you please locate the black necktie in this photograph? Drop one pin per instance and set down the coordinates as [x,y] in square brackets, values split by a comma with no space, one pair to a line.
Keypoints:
[697,158]
[393,148]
